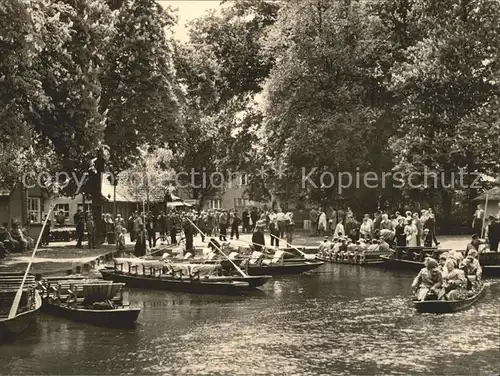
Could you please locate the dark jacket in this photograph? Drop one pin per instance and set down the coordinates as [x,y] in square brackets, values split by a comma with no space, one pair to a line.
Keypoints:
[494,231]
[258,240]
[400,235]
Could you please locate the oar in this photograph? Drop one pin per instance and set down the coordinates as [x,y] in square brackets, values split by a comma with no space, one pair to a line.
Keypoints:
[291,246]
[220,250]
[17,298]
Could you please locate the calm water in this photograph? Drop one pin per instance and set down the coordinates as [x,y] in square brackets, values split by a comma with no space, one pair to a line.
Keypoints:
[342,320]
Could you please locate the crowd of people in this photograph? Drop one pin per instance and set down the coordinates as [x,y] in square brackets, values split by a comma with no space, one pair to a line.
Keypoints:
[146,229]
[413,229]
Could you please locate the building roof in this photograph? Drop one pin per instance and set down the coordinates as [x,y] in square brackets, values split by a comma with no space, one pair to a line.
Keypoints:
[493,195]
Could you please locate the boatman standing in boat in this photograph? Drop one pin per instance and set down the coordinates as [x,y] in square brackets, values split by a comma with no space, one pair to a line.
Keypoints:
[258,239]
[494,234]
[140,241]
[189,233]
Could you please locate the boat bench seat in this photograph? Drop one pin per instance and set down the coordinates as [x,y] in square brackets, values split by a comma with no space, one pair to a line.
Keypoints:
[95,291]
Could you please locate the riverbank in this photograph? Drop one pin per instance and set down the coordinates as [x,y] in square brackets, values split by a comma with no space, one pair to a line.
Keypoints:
[57,259]
[61,257]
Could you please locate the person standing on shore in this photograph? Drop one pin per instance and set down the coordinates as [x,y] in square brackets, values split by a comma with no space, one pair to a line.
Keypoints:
[151,229]
[377,221]
[235,224]
[290,226]
[80,230]
[430,224]
[281,220]
[313,217]
[162,226]
[386,223]
[420,228]
[223,224]
[400,233]
[246,221]
[91,231]
[189,233]
[339,229]
[322,223]
[366,229]
[172,227]
[46,231]
[121,243]
[210,223]
[137,223]
[411,232]
[332,221]
[140,241]
[273,229]
[477,221]
[254,216]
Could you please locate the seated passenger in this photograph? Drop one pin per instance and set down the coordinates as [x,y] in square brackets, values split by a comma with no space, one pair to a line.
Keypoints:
[457,256]
[383,246]
[324,245]
[336,248]
[427,283]
[443,257]
[18,236]
[454,283]
[472,269]
[374,246]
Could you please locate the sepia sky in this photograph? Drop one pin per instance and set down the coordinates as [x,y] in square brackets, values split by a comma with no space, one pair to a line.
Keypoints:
[187,10]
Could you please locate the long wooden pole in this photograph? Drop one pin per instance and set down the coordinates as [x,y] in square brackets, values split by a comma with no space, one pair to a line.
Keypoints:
[244,241]
[17,298]
[288,244]
[220,250]
[484,215]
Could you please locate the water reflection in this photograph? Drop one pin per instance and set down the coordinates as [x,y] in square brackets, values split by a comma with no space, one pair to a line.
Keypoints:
[341,320]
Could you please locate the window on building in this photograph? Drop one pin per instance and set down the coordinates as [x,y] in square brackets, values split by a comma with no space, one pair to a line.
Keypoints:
[243,179]
[215,204]
[88,208]
[61,208]
[241,202]
[34,210]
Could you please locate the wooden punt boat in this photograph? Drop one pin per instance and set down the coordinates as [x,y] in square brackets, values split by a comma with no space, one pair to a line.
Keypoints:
[278,265]
[188,278]
[286,268]
[96,302]
[413,259]
[28,310]
[448,306]
[363,258]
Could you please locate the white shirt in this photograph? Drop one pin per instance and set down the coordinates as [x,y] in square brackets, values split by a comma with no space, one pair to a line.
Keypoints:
[280,217]
[339,229]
